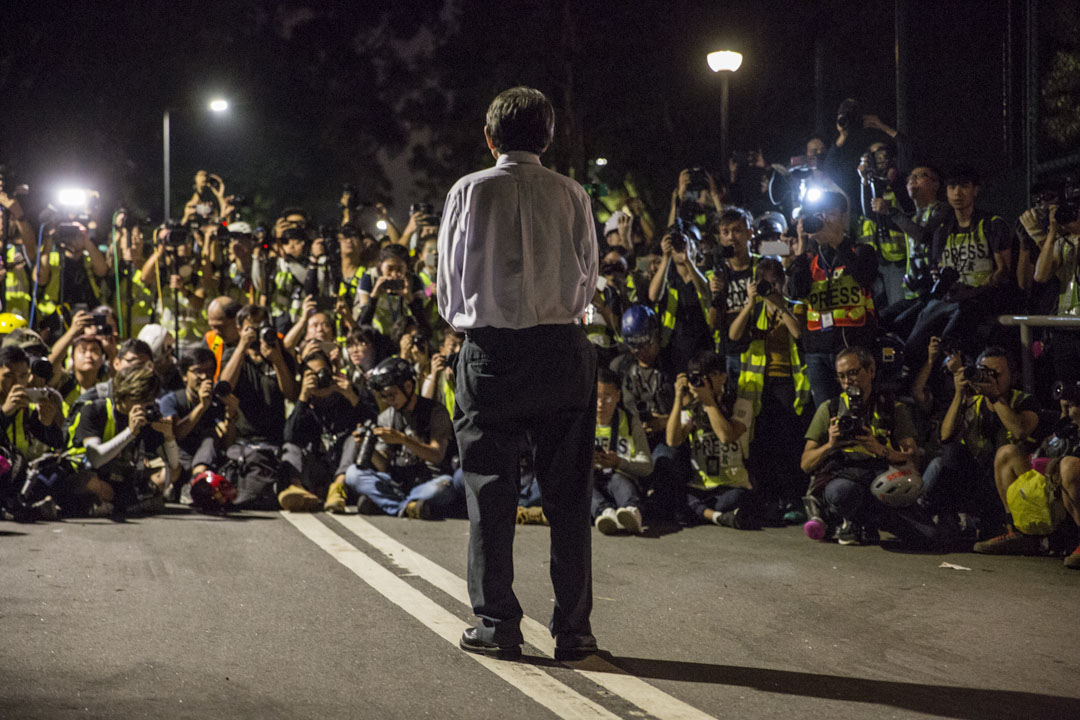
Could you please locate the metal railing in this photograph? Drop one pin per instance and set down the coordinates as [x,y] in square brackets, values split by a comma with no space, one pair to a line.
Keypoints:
[1026,322]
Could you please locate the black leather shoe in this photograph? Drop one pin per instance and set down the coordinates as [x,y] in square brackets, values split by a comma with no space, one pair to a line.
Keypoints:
[574,652]
[470,643]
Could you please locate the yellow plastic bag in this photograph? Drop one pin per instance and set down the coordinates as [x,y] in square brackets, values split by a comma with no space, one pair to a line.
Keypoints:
[1036,509]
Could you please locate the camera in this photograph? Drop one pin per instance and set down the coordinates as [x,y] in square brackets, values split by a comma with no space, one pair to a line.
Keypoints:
[1070,393]
[324,378]
[173,236]
[677,237]
[812,224]
[977,374]
[101,322]
[394,284]
[152,412]
[643,411]
[36,395]
[724,252]
[66,234]
[699,181]
[764,288]
[696,379]
[268,334]
[849,116]
[42,368]
[367,445]
[1068,211]
[222,389]
[423,208]
[850,420]
[947,277]
[1065,429]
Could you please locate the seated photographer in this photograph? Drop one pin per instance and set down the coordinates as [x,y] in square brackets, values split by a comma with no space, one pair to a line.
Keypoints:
[985,414]
[682,294]
[1058,260]
[932,391]
[32,416]
[728,282]
[621,460]
[401,466]
[718,488]
[87,369]
[204,421]
[313,326]
[851,441]
[648,389]
[163,346]
[121,435]
[414,345]
[773,378]
[391,294]
[263,377]
[833,277]
[326,414]
[223,336]
[972,251]
[1025,484]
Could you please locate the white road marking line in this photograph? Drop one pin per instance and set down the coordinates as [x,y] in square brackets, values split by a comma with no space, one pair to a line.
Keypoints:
[533,681]
[614,679]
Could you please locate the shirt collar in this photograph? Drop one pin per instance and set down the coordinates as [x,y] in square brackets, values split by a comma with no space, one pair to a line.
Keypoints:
[517,157]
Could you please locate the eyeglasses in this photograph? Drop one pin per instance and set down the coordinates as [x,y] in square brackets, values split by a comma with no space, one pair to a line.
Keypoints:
[849,375]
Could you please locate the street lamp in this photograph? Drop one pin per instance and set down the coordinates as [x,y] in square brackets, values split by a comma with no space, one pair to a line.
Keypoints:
[217,105]
[724,62]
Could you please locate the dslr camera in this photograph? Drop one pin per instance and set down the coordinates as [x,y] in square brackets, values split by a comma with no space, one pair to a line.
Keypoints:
[850,420]
[978,375]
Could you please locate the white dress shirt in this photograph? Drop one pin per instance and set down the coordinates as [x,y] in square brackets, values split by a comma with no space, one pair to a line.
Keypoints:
[517,248]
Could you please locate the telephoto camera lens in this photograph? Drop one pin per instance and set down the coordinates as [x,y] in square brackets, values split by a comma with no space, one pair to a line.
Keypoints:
[42,368]
[764,287]
[696,379]
[268,335]
[153,414]
[812,224]
[367,447]
[222,389]
[975,374]
[324,378]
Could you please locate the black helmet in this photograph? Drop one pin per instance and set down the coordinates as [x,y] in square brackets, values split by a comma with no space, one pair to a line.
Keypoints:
[392,371]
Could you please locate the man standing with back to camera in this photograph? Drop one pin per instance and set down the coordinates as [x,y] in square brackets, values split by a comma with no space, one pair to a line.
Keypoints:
[518,266]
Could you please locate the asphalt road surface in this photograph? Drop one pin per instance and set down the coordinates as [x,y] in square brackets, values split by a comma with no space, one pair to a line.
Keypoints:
[316,616]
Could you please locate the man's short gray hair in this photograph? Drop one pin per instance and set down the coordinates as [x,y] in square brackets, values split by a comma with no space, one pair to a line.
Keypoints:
[521,118]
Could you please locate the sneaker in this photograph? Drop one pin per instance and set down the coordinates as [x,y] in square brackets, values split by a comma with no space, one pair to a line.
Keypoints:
[846,533]
[606,522]
[297,499]
[418,510]
[629,519]
[1012,542]
[815,528]
[738,518]
[367,506]
[869,535]
[1073,561]
[794,515]
[47,509]
[101,509]
[531,515]
[335,497]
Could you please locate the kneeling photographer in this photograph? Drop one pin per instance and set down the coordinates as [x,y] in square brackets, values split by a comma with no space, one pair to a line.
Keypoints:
[325,416]
[985,414]
[204,417]
[263,377]
[851,441]
[120,436]
[401,465]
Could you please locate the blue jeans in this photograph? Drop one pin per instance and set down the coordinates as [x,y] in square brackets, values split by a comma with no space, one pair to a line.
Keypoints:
[718,499]
[393,497]
[821,372]
[614,491]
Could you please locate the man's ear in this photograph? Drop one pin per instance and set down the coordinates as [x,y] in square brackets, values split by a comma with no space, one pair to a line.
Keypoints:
[490,142]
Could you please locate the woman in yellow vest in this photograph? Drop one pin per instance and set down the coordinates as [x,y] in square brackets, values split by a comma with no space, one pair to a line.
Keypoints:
[773,378]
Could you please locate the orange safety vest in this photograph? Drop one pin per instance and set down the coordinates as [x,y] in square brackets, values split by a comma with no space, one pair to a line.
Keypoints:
[837,294]
[217,346]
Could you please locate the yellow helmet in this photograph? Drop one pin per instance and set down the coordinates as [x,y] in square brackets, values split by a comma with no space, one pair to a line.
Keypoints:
[11,321]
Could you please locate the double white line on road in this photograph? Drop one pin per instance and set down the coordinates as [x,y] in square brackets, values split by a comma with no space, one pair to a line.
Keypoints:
[531,680]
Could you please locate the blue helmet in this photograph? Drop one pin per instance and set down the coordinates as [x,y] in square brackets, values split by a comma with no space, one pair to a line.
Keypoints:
[639,324]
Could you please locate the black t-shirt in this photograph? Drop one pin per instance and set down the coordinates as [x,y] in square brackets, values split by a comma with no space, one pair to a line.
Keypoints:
[262,404]
[176,404]
[323,425]
[134,458]
[736,290]
[692,333]
[76,282]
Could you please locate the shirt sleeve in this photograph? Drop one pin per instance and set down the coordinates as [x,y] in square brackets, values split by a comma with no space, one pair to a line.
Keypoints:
[819,426]
[448,268]
[998,236]
[169,405]
[903,426]
[91,423]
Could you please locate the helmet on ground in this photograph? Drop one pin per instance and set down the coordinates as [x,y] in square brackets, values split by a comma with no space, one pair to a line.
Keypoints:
[211,492]
[393,371]
[639,324]
[11,321]
[897,487]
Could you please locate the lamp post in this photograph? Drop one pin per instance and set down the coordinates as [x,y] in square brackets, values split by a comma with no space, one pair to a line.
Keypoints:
[724,62]
[218,106]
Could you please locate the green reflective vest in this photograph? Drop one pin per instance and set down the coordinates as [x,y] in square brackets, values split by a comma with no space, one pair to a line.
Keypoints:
[754,361]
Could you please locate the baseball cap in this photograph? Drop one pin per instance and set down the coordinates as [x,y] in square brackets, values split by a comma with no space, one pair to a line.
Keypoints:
[28,340]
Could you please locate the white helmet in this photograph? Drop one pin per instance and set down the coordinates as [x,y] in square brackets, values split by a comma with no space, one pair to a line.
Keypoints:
[897,487]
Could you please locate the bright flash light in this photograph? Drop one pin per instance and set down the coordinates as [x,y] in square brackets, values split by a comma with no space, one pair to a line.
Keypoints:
[813,194]
[381,225]
[601,161]
[724,60]
[219,105]
[72,197]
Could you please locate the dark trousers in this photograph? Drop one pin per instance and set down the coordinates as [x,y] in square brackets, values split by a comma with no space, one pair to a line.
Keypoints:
[538,384]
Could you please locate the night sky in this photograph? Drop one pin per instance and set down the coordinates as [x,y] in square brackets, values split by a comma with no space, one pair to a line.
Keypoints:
[390,96]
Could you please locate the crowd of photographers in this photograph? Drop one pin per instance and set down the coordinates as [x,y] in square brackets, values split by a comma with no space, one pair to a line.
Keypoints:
[814,343]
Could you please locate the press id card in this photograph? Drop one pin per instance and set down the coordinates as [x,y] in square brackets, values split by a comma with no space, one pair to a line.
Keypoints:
[826,320]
